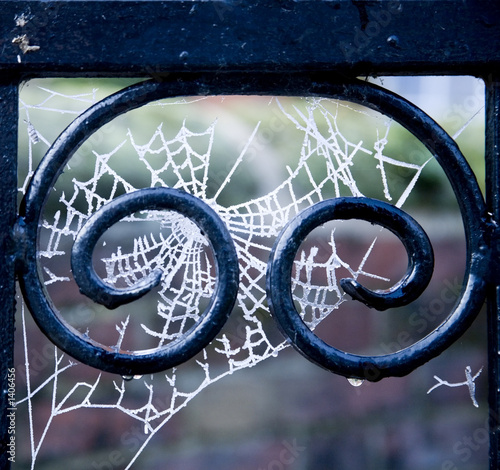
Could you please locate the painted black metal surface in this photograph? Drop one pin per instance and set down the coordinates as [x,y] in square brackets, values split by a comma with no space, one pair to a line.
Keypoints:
[8,184]
[492,160]
[156,37]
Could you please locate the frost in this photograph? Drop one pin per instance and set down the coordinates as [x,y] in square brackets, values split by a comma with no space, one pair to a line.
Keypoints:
[325,167]
[469,382]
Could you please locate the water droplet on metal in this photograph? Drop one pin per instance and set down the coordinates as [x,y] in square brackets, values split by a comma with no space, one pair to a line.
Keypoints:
[355,382]
[128,378]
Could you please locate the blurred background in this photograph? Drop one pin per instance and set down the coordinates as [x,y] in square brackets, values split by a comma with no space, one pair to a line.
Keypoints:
[282,412]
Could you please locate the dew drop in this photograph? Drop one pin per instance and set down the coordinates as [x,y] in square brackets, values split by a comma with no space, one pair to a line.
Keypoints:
[355,382]
[128,378]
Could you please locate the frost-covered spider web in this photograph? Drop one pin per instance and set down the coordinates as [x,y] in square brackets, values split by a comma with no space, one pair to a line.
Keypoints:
[323,154]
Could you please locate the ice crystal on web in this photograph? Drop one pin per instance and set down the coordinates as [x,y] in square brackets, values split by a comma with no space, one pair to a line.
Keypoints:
[324,164]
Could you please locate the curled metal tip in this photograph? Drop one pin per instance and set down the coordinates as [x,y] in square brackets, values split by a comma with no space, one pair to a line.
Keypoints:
[112,297]
[379,300]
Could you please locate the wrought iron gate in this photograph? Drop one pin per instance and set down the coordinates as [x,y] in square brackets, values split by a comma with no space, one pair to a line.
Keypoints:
[294,48]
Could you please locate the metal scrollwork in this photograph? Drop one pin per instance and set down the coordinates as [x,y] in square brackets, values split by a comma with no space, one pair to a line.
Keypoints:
[279,275]
[302,338]
[132,363]
[415,240]
[474,217]
[49,320]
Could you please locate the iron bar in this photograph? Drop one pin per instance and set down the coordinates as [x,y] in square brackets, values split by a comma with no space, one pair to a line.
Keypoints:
[8,210]
[492,157]
[140,38]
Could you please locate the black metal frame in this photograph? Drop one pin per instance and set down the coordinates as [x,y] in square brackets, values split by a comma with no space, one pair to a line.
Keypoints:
[243,47]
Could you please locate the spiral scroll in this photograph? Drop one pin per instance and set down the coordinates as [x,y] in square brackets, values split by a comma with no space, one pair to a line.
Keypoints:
[413,283]
[302,338]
